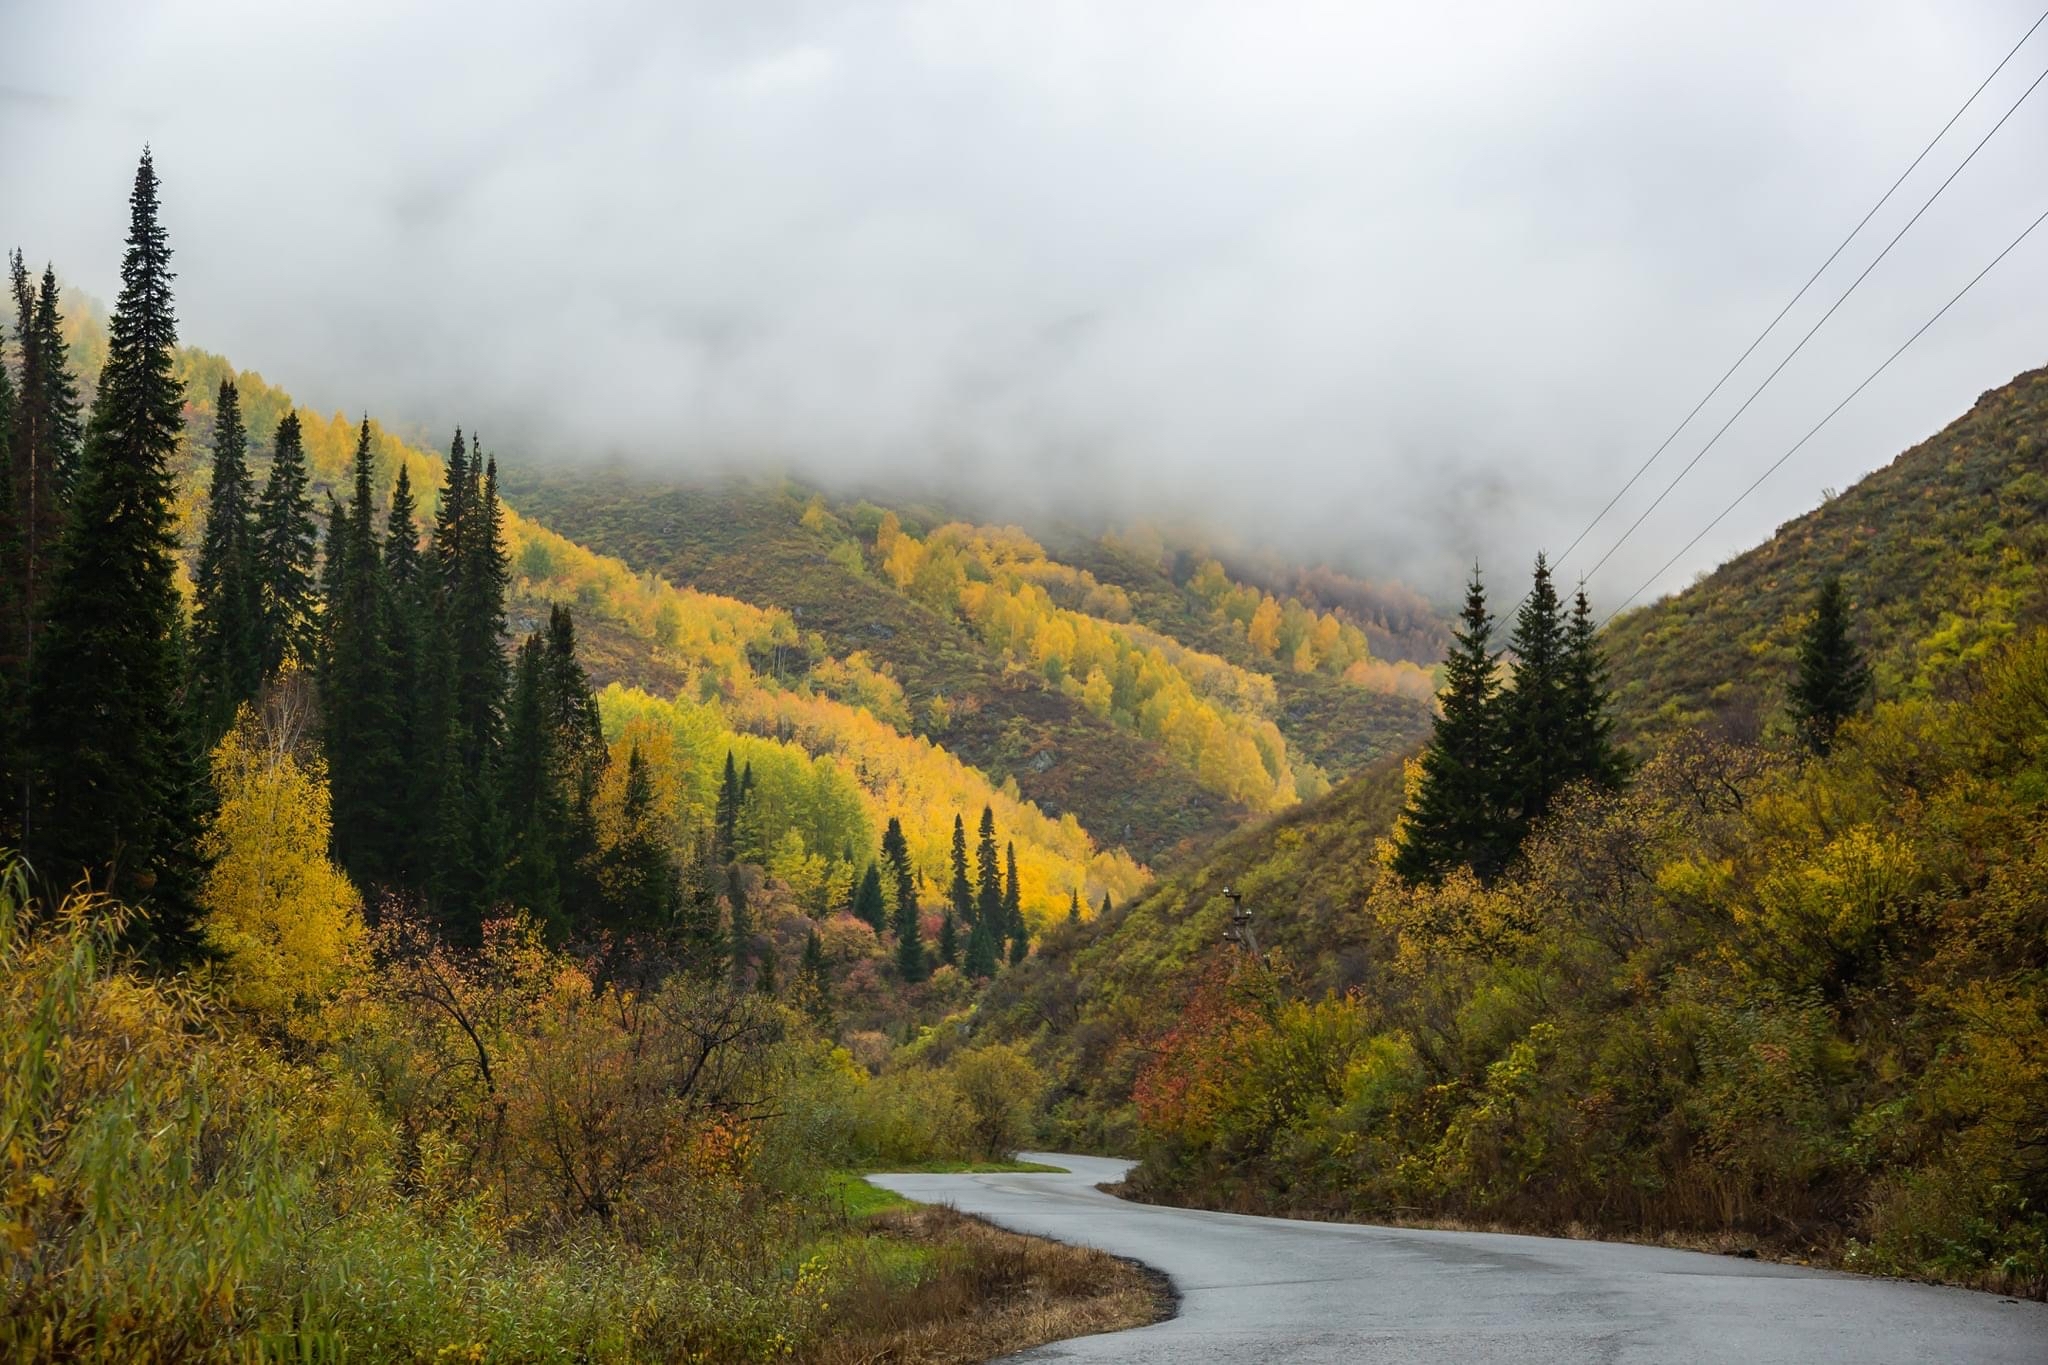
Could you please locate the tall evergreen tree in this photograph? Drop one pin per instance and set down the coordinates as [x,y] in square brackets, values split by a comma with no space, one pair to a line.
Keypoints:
[118,778]
[286,549]
[814,986]
[642,876]
[702,943]
[227,644]
[988,900]
[725,818]
[962,892]
[408,630]
[44,442]
[1535,730]
[911,960]
[366,768]
[1074,908]
[896,853]
[534,811]
[1013,908]
[59,428]
[1452,818]
[868,905]
[949,938]
[742,924]
[1589,722]
[1104,908]
[1834,679]
[14,767]
[471,832]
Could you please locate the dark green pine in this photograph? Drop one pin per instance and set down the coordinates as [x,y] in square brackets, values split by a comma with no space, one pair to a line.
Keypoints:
[227,661]
[365,766]
[1589,720]
[1535,711]
[910,953]
[1452,820]
[1074,908]
[287,546]
[1834,680]
[868,906]
[35,483]
[13,639]
[1013,908]
[1105,906]
[117,779]
[62,428]
[725,818]
[949,939]
[742,932]
[472,833]
[529,798]
[962,891]
[988,899]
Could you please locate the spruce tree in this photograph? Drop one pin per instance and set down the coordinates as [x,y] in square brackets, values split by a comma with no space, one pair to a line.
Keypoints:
[725,817]
[577,752]
[57,409]
[1013,908]
[814,986]
[962,892]
[117,776]
[365,766]
[868,906]
[13,640]
[471,834]
[227,644]
[642,874]
[701,937]
[286,549]
[1103,909]
[408,628]
[988,900]
[1589,723]
[896,853]
[949,938]
[1452,819]
[1834,680]
[742,924]
[534,812]
[766,979]
[1074,908]
[1535,732]
[910,954]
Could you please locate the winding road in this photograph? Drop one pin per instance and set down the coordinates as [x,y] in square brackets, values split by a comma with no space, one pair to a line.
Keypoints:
[1277,1289]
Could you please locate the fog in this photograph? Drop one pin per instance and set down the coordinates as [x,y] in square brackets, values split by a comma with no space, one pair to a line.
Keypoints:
[1395,286]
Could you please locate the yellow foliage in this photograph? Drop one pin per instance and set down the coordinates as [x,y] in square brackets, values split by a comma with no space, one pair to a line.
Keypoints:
[284,917]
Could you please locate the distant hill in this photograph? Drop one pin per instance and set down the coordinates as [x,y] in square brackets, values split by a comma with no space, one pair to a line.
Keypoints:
[977,623]
[1941,552]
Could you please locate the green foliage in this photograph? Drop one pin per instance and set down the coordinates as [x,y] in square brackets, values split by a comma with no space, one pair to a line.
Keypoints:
[1833,680]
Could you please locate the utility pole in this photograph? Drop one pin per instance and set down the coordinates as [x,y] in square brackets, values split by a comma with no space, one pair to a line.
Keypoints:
[1240,931]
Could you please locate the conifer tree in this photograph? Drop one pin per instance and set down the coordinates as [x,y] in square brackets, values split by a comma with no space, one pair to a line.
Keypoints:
[534,811]
[1103,909]
[116,773]
[725,818]
[910,955]
[44,438]
[1452,818]
[988,900]
[765,978]
[471,834]
[227,659]
[642,877]
[949,938]
[408,628]
[868,906]
[742,924]
[1589,723]
[286,548]
[702,937]
[1535,731]
[814,986]
[1074,908]
[1013,908]
[896,853]
[57,416]
[1834,679]
[962,892]
[365,765]
[13,639]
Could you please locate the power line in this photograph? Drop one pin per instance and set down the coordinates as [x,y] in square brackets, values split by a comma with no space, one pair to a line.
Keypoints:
[1863,222]
[1779,462]
[1658,500]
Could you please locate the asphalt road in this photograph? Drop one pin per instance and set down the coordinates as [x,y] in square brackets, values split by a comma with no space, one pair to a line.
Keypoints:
[1276,1289]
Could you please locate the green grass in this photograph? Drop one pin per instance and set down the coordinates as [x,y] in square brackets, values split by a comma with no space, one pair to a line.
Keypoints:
[965,1168]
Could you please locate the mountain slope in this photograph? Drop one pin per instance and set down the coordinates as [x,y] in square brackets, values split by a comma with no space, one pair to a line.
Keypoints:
[1941,552]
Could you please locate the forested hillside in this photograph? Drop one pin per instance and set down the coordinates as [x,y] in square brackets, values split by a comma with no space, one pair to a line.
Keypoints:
[1940,552]
[1777,987]
[1159,699]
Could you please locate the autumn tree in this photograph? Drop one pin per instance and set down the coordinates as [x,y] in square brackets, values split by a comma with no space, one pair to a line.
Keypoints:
[117,777]
[227,644]
[282,916]
[1834,679]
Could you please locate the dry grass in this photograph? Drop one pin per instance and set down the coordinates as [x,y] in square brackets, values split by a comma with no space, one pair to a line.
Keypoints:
[981,1292]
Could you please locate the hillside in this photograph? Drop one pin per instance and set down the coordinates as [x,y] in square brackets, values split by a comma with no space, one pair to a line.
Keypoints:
[1941,552]
[1752,1000]
[984,628]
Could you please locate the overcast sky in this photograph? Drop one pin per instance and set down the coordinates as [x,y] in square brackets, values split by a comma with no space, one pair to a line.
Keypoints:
[1394,284]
